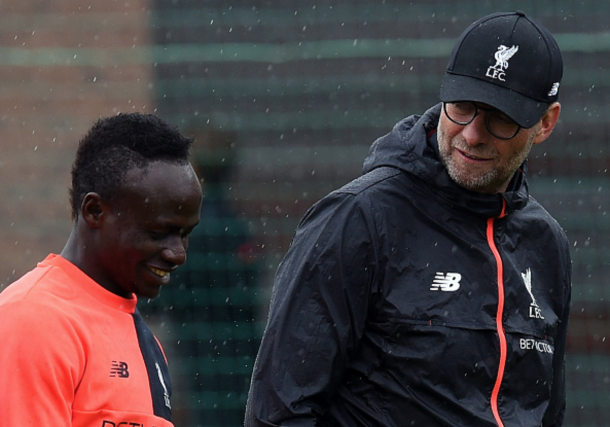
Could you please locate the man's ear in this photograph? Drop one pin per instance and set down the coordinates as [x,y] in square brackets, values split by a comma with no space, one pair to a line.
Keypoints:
[547,122]
[92,210]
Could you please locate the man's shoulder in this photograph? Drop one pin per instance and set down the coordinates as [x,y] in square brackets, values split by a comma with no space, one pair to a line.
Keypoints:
[44,291]
[382,186]
[540,214]
[370,179]
[535,220]
[31,285]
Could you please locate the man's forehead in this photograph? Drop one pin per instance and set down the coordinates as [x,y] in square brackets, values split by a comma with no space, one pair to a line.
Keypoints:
[157,172]
[160,182]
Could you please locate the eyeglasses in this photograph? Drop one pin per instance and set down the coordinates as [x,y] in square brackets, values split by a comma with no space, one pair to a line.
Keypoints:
[497,123]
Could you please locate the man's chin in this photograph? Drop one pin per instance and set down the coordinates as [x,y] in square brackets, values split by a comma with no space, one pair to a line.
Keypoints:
[149,293]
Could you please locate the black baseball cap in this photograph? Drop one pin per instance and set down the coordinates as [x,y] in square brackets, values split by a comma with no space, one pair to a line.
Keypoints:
[508,61]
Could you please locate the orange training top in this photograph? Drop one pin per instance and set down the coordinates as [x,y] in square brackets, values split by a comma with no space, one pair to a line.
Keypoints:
[74,354]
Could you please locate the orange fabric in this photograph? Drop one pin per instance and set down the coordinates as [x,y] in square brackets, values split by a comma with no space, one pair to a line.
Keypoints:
[70,354]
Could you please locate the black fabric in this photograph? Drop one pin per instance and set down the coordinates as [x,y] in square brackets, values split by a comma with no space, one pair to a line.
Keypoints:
[156,366]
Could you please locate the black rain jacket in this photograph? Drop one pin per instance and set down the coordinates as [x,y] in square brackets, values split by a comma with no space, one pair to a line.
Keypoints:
[406,300]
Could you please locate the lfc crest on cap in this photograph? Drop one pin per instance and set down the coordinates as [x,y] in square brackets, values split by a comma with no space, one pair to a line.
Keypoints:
[502,56]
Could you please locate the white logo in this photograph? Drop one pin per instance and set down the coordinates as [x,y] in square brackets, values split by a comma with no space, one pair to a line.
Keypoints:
[527,281]
[502,57]
[449,282]
[554,90]
[531,344]
[165,393]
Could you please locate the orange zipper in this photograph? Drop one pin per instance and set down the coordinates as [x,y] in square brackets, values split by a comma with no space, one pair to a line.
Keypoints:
[499,326]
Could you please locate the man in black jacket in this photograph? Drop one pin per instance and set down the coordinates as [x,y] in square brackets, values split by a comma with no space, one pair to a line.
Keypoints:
[433,290]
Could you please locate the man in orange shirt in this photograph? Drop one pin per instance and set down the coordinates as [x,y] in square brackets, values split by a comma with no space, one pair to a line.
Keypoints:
[75,350]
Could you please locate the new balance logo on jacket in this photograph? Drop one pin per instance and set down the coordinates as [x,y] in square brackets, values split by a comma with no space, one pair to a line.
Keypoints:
[447,282]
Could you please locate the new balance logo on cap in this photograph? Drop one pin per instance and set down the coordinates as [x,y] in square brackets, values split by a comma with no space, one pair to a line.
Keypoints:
[447,282]
[119,369]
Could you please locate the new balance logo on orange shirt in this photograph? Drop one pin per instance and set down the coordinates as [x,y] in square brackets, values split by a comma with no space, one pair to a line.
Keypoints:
[119,369]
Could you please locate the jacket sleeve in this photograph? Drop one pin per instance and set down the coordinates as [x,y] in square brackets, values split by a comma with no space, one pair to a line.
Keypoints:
[555,413]
[40,366]
[317,314]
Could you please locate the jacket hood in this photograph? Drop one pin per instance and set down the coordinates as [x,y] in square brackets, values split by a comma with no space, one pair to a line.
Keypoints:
[412,147]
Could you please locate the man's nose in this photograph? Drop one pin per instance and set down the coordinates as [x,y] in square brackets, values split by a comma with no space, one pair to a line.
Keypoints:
[475,132]
[175,252]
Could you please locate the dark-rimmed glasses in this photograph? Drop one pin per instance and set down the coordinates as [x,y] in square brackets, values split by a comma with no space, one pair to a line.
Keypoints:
[497,123]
